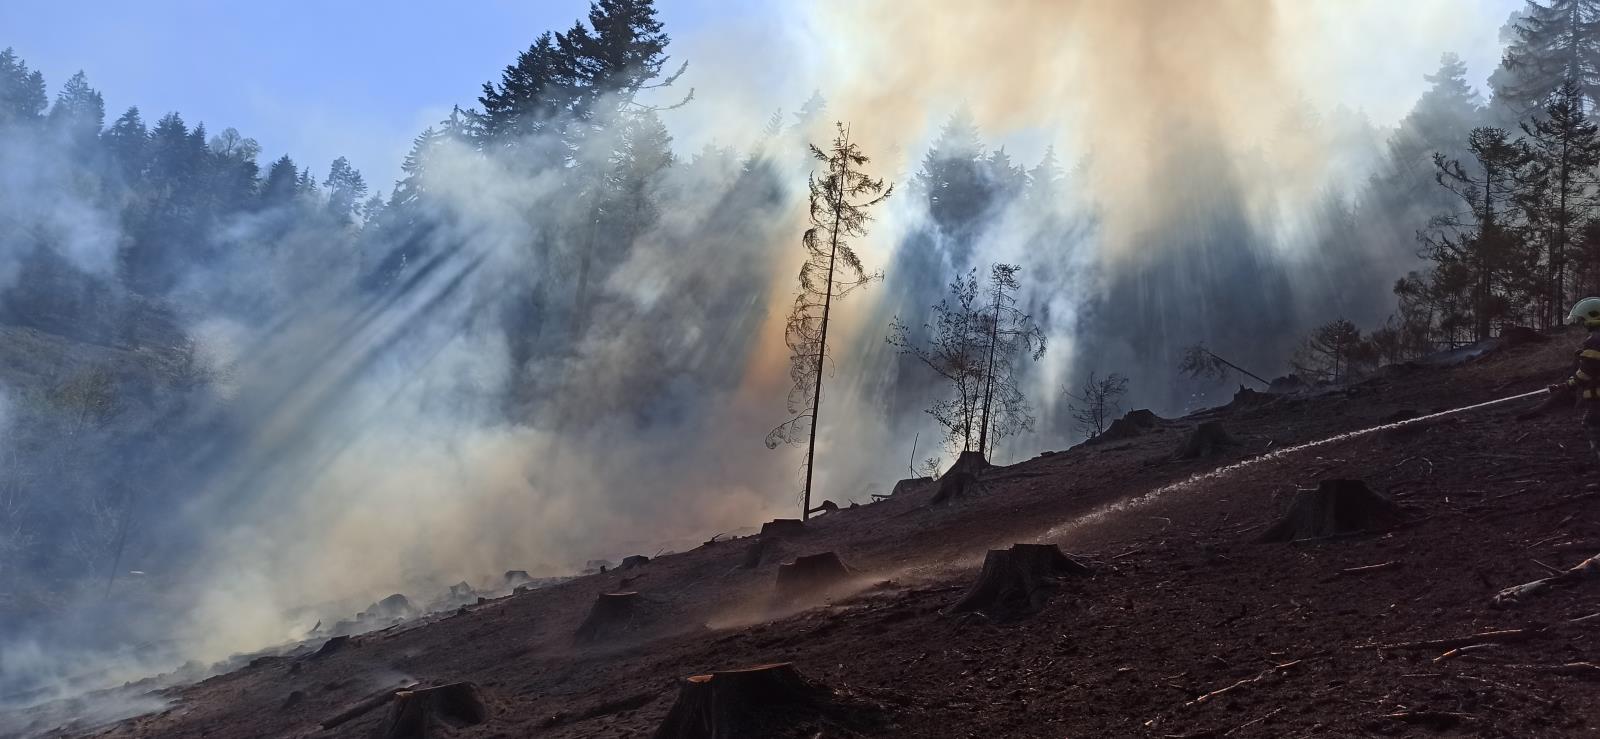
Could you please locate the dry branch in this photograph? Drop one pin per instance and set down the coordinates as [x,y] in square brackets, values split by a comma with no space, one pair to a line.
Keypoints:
[365,706]
[1589,568]
[1503,636]
[1213,695]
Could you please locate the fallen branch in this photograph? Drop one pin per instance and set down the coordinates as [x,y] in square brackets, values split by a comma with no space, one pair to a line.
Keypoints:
[1255,721]
[1458,651]
[366,705]
[1589,568]
[1503,636]
[1575,669]
[1364,569]
[1269,672]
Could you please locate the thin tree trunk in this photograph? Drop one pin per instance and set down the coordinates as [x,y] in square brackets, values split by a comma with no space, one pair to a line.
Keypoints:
[822,343]
[988,392]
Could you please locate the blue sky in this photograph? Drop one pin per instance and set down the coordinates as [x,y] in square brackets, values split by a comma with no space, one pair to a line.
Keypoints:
[313,78]
[320,79]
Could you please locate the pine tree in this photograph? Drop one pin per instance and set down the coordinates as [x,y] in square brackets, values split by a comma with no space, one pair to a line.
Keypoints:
[839,204]
[1487,255]
[1554,41]
[22,92]
[1566,148]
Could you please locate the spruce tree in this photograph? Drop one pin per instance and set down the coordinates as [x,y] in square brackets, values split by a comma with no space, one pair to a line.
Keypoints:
[1554,41]
[840,200]
[79,111]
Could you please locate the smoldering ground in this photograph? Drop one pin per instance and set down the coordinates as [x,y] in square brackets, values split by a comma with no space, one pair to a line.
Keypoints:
[333,446]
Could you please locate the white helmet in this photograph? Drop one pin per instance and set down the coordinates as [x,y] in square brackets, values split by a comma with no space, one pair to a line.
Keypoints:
[1587,312]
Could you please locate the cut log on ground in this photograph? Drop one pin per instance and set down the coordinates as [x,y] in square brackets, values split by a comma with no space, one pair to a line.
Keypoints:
[612,613]
[418,713]
[762,701]
[1336,507]
[827,506]
[1588,569]
[810,577]
[955,484]
[1017,582]
[909,484]
[363,706]
[1208,439]
[783,527]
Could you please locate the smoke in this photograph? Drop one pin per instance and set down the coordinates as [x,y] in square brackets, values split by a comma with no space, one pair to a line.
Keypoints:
[316,443]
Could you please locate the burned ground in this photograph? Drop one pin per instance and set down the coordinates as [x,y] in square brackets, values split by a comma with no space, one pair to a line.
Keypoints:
[1188,626]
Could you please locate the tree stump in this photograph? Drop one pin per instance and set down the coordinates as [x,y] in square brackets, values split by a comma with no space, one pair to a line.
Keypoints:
[761,701]
[1208,439]
[1130,425]
[611,613]
[1017,582]
[811,576]
[417,714]
[783,527]
[1335,507]
[632,561]
[969,461]
[758,551]
[954,484]
[396,606]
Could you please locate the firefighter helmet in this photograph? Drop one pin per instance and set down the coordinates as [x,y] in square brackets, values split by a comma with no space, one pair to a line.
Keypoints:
[1587,312]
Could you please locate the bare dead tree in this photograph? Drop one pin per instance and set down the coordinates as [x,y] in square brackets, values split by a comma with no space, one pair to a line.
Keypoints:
[1009,330]
[954,350]
[839,203]
[1096,402]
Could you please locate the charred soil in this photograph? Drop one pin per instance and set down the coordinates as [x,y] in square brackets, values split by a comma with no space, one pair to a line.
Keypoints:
[1188,621]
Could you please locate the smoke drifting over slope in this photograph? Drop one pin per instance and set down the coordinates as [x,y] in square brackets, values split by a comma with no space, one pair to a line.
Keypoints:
[454,424]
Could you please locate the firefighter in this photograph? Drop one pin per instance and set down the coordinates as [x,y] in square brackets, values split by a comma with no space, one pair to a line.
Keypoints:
[1584,384]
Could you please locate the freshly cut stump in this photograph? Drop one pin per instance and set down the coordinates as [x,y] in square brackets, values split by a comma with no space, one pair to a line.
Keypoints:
[811,576]
[1335,507]
[1017,582]
[1209,439]
[954,484]
[783,527]
[612,612]
[762,701]
[969,461]
[419,713]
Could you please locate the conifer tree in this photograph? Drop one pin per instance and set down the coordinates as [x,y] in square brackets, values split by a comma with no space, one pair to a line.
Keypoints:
[22,92]
[1565,145]
[1554,41]
[840,200]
